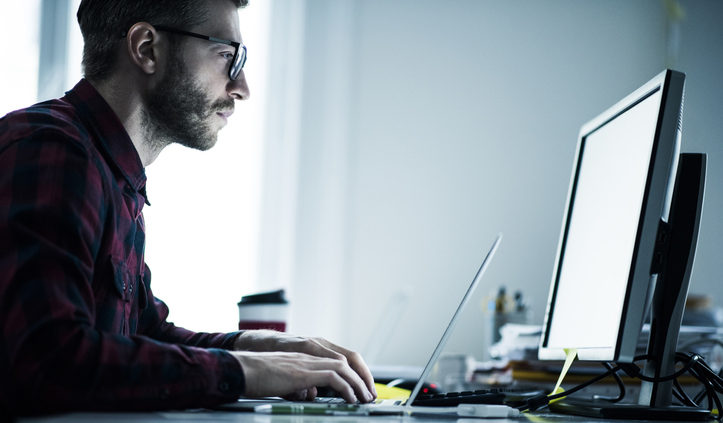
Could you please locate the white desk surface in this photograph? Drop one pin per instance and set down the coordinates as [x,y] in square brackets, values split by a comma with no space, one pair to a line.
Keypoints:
[247,417]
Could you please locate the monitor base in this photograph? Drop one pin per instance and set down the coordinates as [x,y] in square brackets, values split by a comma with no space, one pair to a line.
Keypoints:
[608,410]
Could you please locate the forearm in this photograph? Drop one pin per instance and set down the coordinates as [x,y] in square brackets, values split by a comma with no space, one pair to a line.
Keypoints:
[90,370]
[168,332]
[154,324]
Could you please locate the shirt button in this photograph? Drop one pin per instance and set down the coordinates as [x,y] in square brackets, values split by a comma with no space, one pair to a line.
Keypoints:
[223,386]
[165,393]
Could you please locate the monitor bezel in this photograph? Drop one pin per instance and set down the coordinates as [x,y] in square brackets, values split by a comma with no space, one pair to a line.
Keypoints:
[655,207]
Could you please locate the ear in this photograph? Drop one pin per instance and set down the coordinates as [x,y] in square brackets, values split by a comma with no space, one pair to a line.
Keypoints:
[143,47]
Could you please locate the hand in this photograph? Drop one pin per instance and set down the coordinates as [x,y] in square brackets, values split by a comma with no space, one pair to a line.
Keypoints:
[267,340]
[296,375]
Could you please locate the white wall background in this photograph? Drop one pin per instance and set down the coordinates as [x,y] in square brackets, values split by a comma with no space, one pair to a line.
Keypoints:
[202,227]
[402,135]
[426,127]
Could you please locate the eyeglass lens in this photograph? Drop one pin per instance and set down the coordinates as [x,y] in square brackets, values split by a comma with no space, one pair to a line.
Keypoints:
[238,63]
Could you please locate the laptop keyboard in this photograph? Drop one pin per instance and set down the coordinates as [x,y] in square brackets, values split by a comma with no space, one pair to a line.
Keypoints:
[448,399]
[330,400]
[451,399]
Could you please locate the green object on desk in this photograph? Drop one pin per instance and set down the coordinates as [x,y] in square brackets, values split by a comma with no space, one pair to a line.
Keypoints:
[311,408]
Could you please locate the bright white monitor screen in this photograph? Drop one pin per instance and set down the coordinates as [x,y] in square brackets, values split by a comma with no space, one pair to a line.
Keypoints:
[603,225]
[620,191]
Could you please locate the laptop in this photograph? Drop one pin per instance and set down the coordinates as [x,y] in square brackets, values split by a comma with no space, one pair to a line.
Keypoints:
[383,406]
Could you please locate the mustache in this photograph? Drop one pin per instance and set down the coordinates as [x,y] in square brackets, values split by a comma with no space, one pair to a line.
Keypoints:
[222,105]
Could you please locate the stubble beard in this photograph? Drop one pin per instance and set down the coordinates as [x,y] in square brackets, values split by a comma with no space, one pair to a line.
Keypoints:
[178,111]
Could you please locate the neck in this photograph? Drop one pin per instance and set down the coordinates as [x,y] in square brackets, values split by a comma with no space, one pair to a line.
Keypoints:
[128,106]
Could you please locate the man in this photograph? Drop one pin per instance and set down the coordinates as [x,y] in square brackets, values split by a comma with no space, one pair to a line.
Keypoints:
[79,326]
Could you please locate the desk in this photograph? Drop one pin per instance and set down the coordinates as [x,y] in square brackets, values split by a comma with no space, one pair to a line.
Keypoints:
[244,417]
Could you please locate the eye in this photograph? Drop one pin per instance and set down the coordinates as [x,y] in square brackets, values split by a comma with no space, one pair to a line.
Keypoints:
[227,55]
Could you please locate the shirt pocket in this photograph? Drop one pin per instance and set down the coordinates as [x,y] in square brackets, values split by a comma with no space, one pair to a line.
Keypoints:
[125,285]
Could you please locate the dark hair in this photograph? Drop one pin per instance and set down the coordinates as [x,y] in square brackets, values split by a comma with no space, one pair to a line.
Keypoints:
[102,23]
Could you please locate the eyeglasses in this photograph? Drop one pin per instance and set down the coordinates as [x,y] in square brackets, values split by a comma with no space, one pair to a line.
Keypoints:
[239,57]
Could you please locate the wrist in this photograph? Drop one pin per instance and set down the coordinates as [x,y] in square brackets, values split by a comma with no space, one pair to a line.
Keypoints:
[240,343]
[257,340]
[249,363]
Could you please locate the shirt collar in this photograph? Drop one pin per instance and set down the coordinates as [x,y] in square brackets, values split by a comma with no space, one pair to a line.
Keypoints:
[111,136]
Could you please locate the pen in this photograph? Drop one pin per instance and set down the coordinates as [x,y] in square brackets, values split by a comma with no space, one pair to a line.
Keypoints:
[314,409]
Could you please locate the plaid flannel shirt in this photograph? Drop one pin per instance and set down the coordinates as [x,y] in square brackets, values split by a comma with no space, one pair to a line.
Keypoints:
[80,328]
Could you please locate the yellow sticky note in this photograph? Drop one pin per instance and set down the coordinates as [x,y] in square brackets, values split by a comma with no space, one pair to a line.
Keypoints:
[570,354]
[391,392]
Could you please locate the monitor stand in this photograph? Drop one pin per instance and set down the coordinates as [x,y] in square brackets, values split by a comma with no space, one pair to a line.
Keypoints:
[675,250]
[608,410]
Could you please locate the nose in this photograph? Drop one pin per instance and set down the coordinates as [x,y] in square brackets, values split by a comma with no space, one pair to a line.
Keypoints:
[238,89]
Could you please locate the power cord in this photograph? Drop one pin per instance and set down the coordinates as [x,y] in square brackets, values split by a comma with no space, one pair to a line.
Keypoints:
[693,364]
[618,381]
[540,401]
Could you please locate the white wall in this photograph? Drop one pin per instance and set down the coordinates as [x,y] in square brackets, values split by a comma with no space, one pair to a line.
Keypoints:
[202,227]
[426,127]
[701,57]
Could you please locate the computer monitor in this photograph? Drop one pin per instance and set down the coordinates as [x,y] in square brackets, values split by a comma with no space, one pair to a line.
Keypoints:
[615,251]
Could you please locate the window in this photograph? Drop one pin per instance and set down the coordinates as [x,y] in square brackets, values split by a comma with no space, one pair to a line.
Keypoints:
[202,227]
[19,73]
[201,242]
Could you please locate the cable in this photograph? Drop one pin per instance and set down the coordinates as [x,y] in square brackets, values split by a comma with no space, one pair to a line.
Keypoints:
[540,401]
[680,394]
[619,381]
[583,385]
[699,369]
[693,364]
[692,360]
[706,391]
[711,387]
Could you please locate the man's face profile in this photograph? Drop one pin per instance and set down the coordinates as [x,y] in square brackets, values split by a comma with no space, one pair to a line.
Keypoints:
[180,111]
[194,96]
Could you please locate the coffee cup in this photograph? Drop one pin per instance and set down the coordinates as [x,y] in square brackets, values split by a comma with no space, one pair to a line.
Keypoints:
[264,310]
